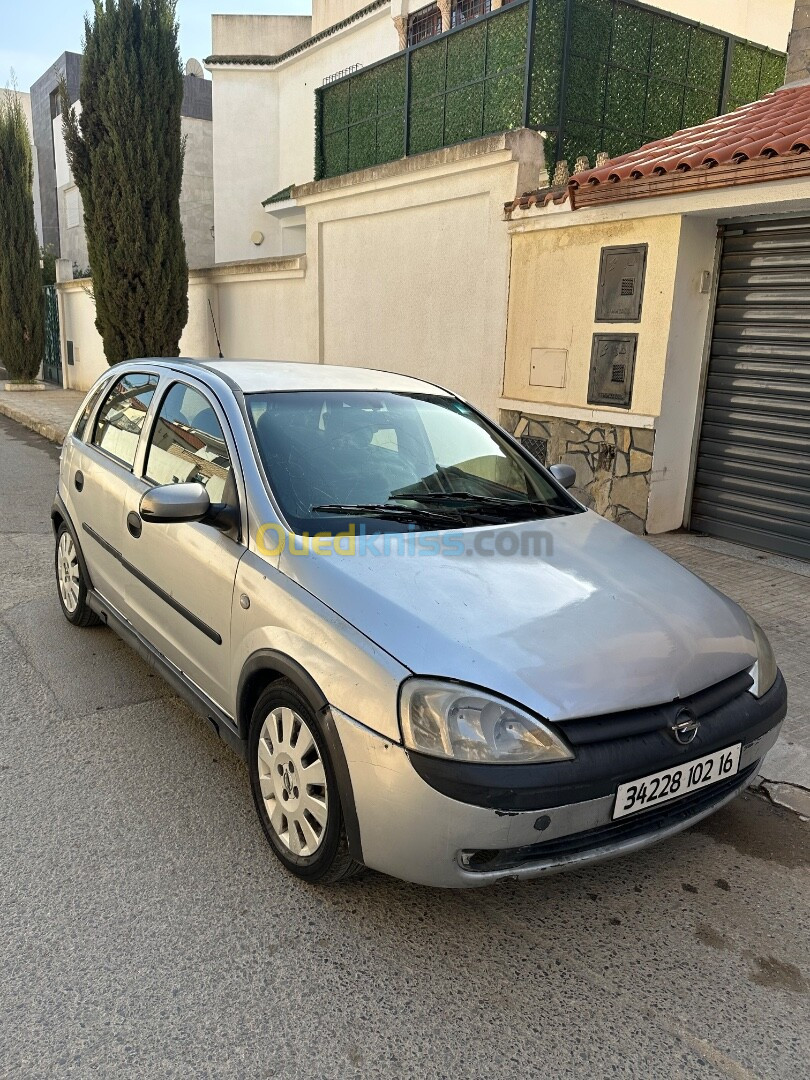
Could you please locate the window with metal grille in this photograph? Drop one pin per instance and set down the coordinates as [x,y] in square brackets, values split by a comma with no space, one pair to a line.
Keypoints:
[424,24]
[464,10]
[537,447]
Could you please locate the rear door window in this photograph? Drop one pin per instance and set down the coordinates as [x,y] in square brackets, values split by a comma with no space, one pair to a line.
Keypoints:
[121,418]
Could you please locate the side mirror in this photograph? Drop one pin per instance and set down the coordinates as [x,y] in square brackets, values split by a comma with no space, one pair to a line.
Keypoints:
[171,503]
[564,474]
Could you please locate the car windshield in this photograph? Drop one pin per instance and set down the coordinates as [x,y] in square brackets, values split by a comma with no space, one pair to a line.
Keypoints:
[390,462]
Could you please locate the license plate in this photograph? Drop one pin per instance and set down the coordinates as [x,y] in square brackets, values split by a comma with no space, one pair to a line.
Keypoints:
[673,783]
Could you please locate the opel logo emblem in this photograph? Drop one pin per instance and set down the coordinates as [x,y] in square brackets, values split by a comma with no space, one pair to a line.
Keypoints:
[684,727]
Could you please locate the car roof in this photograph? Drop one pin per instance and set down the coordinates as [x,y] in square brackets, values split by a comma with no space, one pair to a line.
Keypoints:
[263,376]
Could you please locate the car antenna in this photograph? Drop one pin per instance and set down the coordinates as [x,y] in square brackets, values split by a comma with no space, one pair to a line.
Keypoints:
[216,335]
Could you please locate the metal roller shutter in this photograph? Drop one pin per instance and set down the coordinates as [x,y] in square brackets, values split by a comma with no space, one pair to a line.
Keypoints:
[752,480]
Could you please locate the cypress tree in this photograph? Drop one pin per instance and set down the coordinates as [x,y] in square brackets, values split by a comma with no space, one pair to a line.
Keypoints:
[126,154]
[22,312]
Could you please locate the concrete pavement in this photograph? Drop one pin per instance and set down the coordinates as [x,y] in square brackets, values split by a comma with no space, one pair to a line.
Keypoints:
[48,412]
[147,931]
[776,591]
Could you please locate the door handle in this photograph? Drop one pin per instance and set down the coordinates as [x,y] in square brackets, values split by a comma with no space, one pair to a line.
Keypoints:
[78,480]
[134,524]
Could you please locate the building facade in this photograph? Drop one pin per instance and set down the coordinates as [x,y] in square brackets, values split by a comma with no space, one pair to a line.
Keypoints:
[61,204]
[658,327]
[357,85]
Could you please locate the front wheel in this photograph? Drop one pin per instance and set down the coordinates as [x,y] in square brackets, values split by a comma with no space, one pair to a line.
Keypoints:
[294,787]
[70,582]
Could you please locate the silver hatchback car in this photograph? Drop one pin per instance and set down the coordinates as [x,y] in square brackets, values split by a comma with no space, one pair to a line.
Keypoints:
[436,662]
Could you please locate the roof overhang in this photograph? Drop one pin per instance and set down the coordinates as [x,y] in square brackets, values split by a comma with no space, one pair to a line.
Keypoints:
[733,174]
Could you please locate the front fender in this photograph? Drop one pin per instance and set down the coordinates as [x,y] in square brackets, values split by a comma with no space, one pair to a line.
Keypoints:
[348,670]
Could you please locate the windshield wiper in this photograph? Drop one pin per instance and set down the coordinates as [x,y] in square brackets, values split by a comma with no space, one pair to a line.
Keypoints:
[485,501]
[394,513]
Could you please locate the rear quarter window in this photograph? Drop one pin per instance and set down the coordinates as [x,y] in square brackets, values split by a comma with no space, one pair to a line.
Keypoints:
[80,429]
[121,417]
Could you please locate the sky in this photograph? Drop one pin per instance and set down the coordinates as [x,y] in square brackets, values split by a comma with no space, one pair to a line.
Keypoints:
[33,33]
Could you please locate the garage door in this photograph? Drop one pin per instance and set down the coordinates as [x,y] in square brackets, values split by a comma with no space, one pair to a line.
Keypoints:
[752,482]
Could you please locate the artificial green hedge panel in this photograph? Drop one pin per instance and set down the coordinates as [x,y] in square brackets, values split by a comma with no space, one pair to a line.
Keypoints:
[547,53]
[754,73]
[470,83]
[362,119]
[633,75]
[428,75]
[669,58]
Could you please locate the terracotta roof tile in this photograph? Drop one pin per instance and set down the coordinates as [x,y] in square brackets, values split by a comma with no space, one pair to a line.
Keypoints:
[775,127]
[539,198]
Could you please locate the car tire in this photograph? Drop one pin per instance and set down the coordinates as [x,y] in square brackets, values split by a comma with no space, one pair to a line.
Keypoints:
[71,588]
[295,788]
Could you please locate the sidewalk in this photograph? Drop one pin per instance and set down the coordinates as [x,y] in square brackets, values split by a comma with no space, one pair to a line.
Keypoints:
[48,412]
[775,590]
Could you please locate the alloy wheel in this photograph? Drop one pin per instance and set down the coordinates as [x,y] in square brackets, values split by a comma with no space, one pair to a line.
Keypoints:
[293,783]
[67,572]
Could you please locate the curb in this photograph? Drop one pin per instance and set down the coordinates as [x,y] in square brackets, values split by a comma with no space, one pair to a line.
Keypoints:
[52,432]
[790,796]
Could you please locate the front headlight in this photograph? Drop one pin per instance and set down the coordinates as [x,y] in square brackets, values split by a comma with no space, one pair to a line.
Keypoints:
[764,670]
[447,720]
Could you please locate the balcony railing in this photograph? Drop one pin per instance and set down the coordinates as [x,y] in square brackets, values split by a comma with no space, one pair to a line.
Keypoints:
[596,75]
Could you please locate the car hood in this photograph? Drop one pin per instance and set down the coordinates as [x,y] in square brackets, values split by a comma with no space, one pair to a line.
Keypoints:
[599,622]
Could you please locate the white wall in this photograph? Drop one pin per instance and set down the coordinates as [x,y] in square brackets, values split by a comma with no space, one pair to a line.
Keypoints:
[77,323]
[264,130]
[416,283]
[767,22]
[258,35]
[675,428]
[245,160]
[406,269]
[327,12]
[260,311]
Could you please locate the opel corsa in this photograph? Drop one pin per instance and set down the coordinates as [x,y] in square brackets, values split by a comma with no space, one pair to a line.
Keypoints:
[435,661]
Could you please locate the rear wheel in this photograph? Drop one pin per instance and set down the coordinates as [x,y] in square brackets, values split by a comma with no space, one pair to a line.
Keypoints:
[71,586]
[294,787]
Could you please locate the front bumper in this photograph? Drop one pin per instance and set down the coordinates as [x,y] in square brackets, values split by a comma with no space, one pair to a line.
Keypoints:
[411,830]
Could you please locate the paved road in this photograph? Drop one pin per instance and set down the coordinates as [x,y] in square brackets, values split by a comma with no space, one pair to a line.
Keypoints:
[146,930]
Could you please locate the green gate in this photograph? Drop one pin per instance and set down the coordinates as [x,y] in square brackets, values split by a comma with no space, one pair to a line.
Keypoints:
[52,361]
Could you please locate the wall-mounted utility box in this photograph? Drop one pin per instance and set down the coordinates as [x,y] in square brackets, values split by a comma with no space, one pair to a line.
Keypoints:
[547,367]
[613,360]
[621,283]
